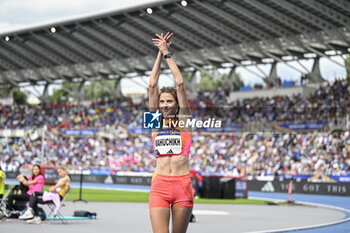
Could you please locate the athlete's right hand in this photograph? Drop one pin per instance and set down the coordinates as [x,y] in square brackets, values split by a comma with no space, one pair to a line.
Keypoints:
[163,42]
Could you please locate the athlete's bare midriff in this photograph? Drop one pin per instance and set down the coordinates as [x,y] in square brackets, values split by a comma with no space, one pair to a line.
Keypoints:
[172,165]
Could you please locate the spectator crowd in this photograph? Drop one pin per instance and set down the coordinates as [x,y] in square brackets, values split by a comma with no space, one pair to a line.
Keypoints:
[232,153]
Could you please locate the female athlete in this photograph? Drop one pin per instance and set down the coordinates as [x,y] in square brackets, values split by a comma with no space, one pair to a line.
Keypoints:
[171,188]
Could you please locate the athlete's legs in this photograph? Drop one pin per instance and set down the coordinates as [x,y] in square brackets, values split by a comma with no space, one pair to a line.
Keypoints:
[160,217]
[181,217]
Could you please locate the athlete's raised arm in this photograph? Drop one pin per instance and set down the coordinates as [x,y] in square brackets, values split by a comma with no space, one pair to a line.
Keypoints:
[161,43]
[153,81]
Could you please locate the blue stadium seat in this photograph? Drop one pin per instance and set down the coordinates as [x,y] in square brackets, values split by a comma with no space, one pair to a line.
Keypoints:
[287,84]
[246,88]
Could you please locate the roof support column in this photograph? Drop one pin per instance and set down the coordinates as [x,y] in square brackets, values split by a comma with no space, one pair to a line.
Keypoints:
[232,80]
[315,75]
[45,98]
[118,88]
[193,82]
[273,78]
[81,91]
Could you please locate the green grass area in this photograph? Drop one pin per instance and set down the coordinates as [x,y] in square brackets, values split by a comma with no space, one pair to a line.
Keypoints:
[108,195]
[129,196]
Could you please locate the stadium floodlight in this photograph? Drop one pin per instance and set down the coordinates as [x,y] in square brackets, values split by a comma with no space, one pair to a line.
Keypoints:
[7,38]
[287,58]
[267,60]
[183,3]
[310,55]
[149,11]
[331,53]
[53,29]
[247,63]
[227,65]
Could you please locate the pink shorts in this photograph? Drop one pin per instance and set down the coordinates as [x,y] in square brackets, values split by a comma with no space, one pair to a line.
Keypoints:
[171,190]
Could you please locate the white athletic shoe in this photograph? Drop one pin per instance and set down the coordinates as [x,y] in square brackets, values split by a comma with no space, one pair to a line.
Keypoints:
[27,215]
[36,220]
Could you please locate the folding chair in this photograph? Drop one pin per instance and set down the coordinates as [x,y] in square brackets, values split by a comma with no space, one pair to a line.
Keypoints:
[3,201]
[52,207]
[3,207]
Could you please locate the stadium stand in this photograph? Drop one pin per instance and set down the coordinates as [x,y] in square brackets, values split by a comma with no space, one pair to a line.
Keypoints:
[117,45]
[245,152]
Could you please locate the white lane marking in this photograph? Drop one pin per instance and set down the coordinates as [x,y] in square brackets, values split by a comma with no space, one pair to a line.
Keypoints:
[209,212]
[310,226]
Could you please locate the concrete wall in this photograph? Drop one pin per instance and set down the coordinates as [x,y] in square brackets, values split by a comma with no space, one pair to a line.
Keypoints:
[305,91]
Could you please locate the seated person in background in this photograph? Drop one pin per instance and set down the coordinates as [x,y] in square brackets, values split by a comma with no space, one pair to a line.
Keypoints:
[34,183]
[56,194]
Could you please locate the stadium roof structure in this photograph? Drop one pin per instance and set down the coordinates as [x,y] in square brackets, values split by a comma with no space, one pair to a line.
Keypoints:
[208,33]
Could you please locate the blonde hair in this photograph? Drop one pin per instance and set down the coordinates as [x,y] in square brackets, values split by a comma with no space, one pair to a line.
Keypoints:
[63,168]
